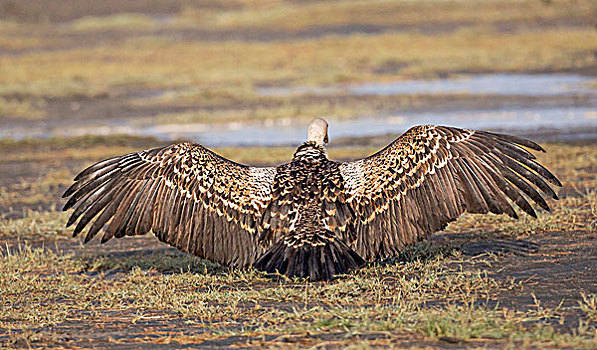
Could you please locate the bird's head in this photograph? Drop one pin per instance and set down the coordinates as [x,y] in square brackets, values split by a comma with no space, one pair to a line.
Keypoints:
[318,131]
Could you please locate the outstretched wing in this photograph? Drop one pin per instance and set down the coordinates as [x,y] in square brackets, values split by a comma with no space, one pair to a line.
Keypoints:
[431,175]
[190,197]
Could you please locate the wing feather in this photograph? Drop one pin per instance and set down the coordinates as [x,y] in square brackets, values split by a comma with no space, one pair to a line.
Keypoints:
[431,175]
[188,196]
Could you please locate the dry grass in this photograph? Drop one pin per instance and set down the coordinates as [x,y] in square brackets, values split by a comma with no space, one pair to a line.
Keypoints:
[300,16]
[134,292]
[122,21]
[426,15]
[116,57]
[47,290]
[432,295]
[156,63]
[28,108]
[10,43]
[90,67]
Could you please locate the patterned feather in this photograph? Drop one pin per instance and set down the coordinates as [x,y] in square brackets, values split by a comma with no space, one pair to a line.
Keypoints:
[190,197]
[312,217]
[431,175]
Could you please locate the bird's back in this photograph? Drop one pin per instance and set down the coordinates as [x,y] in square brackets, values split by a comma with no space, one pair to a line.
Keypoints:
[312,217]
[307,219]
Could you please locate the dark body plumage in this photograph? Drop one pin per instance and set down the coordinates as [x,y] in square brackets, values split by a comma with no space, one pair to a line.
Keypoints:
[312,217]
[306,219]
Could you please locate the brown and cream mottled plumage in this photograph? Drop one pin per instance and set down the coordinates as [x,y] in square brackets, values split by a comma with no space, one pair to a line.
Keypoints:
[312,217]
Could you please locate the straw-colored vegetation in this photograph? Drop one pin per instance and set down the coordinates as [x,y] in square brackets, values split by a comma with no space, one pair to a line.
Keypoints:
[434,294]
[300,16]
[413,39]
[27,108]
[159,63]
[193,66]
[47,289]
[114,22]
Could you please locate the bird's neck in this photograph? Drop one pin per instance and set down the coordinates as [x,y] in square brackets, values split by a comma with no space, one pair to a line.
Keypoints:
[310,151]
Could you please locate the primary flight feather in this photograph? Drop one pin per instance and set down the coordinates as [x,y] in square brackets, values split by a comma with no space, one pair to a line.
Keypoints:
[312,217]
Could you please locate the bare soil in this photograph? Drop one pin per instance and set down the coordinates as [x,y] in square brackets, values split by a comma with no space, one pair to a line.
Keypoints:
[554,267]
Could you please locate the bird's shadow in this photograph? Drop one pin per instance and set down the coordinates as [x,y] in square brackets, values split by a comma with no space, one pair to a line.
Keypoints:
[171,261]
[420,251]
[428,250]
[160,260]
[499,247]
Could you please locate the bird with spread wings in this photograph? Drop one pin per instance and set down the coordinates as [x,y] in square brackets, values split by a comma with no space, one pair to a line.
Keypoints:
[312,217]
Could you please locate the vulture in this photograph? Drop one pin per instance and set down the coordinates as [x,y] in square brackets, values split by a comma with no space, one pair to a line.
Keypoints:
[313,217]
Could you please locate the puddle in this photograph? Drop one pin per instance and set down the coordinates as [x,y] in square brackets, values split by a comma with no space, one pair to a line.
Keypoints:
[516,120]
[148,94]
[163,18]
[285,132]
[484,84]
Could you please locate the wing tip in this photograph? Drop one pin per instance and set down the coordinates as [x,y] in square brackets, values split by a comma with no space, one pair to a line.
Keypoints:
[105,238]
[69,191]
[88,237]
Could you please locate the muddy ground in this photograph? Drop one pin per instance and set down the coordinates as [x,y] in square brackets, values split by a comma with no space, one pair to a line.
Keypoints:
[542,271]
[129,102]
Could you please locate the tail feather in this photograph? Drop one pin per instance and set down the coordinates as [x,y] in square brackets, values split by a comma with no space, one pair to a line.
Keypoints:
[317,263]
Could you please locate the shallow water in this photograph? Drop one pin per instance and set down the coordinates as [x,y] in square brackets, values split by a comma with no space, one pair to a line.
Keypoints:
[483,84]
[514,120]
[286,131]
